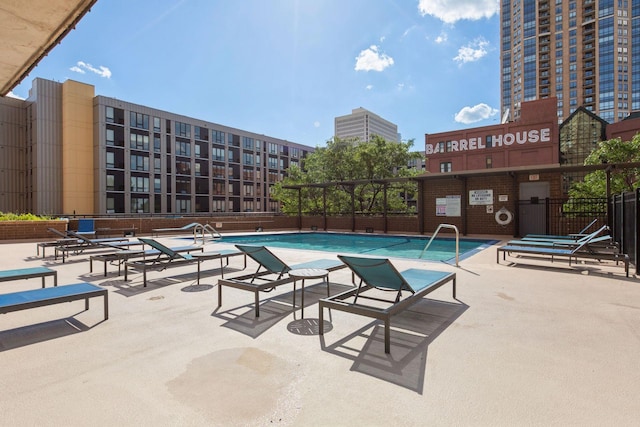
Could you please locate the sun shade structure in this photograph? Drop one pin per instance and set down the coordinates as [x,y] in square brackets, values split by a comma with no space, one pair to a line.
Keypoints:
[29,30]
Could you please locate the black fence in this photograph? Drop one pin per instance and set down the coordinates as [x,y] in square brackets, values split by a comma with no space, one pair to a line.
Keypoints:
[560,216]
[625,217]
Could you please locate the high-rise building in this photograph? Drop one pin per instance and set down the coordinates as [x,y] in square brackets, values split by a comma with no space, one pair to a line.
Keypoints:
[579,51]
[67,151]
[363,124]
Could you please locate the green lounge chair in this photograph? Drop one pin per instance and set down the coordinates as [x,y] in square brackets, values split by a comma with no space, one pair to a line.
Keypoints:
[380,274]
[92,244]
[269,265]
[171,257]
[590,239]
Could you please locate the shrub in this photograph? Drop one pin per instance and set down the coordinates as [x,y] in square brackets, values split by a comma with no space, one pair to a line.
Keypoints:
[23,217]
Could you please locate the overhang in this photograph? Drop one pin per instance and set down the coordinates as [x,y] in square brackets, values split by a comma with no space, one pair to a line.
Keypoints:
[29,29]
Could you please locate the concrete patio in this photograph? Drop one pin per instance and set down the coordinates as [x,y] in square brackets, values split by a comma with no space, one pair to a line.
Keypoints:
[532,343]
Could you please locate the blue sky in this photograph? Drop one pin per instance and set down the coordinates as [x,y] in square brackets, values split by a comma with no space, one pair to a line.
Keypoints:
[287,68]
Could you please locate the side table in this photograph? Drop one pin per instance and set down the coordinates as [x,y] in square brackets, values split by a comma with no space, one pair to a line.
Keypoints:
[307,273]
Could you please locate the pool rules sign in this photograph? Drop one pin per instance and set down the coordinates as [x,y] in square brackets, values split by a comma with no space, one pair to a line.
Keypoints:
[448,206]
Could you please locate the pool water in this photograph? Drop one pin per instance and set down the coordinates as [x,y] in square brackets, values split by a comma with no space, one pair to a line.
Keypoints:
[441,249]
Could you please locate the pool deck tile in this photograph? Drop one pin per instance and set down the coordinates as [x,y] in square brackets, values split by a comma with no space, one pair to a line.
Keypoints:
[534,343]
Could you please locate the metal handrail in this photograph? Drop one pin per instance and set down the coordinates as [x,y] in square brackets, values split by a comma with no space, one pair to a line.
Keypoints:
[202,229]
[436,233]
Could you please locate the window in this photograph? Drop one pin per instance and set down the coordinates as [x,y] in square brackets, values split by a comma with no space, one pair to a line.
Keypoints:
[111,159]
[247,143]
[111,182]
[445,166]
[157,185]
[183,206]
[110,115]
[157,147]
[201,133]
[183,129]
[111,139]
[183,148]
[183,168]
[139,184]
[139,204]
[218,154]
[248,189]
[157,165]
[488,162]
[139,163]
[139,141]
[139,120]
[247,158]
[218,137]
[156,124]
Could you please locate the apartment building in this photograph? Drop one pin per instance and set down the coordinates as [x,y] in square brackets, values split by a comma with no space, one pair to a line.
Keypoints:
[578,51]
[67,151]
[363,124]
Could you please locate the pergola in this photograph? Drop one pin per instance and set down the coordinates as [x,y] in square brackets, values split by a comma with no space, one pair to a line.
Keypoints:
[422,180]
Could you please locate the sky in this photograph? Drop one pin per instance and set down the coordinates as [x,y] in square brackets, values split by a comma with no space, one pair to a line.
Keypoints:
[287,68]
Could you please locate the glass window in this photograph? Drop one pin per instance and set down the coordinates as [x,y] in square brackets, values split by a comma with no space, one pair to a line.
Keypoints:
[156,124]
[445,166]
[139,120]
[139,163]
[111,139]
[183,129]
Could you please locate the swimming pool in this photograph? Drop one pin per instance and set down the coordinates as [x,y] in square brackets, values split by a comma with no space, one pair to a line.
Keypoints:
[441,249]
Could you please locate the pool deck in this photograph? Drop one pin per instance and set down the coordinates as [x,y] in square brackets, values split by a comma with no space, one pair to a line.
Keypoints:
[534,343]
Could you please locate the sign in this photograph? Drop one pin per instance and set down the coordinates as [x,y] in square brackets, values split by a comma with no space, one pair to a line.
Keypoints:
[481,197]
[448,206]
[533,136]
[534,177]
[503,198]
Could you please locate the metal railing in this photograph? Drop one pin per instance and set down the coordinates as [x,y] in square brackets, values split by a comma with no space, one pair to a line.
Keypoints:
[202,229]
[451,226]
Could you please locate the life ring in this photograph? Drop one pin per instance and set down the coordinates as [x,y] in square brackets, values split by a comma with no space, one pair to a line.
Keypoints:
[504,212]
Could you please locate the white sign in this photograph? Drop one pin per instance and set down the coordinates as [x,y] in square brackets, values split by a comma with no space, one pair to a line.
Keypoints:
[481,197]
[448,206]
[532,136]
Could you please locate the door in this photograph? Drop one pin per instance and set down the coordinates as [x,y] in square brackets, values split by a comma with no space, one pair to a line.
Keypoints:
[532,209]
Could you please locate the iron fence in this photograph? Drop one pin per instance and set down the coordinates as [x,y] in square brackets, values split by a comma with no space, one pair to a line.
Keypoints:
[625,219]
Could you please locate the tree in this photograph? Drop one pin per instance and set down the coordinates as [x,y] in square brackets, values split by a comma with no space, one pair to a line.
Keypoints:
[349,160]
[612,151]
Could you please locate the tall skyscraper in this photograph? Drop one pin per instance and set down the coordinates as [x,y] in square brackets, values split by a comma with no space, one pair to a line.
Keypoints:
[363,124]
[584,52]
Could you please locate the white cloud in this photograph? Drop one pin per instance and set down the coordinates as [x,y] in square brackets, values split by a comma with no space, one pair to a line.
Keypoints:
[371,59]
[81,67]
[369,87]
[441,38]
[450,11]
[400,86]
[316,124]
[473,51]
[13,95]
[475,114]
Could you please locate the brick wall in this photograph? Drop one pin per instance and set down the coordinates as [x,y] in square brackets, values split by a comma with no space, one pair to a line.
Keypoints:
[25,230]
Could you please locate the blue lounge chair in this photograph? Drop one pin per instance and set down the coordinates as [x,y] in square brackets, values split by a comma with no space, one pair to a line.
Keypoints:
[86,226]
[379,273]
[573,236]
[269,265]
[579,251]
[590,239]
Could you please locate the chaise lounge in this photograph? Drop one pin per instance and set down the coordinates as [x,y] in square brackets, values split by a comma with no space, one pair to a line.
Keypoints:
[169,257]
[376,276]
[269,265]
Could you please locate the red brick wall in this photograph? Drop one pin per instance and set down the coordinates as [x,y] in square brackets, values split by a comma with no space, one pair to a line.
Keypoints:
[19,230]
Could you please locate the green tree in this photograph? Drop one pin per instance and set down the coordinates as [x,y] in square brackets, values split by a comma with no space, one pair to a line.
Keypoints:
[349,160]
[612,151]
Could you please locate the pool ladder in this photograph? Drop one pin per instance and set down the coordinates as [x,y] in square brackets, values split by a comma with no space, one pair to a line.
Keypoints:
[436,233]
[199,228]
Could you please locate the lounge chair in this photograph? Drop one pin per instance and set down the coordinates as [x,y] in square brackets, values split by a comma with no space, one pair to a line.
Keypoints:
[379,274]
[29,273]
[23,300]
[92,244]
[169,257]
[174,230]
[86,226]
[592,239]
[573,236]
[269,265]
[120,257]
[581,250]
[65,239]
